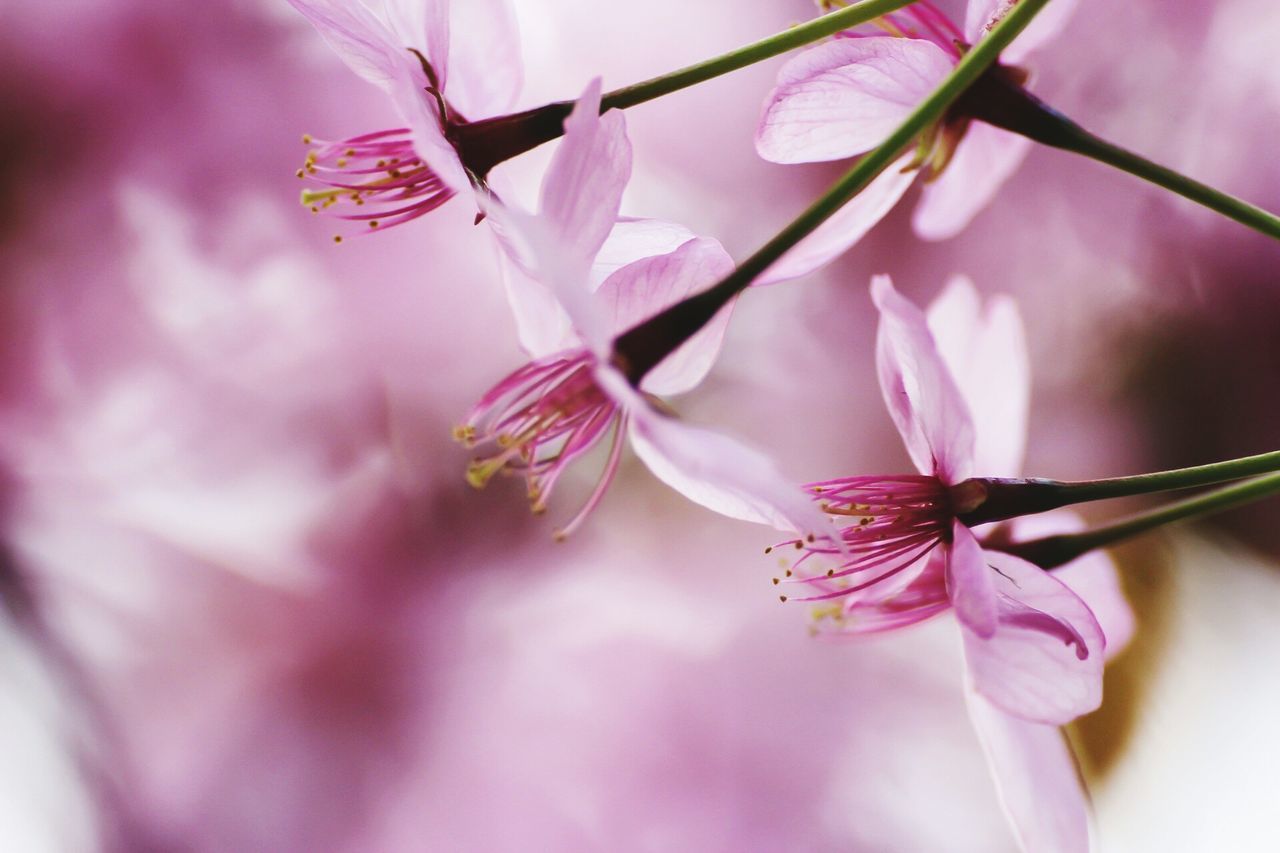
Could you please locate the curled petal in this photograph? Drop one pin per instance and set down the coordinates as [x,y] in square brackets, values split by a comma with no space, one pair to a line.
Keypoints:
[1036,778]
[845,96]
[919,391]
[1093,576]
[582,189]
[363,42]
[983,161]
[846,227]
[712,469]
[485,64]
[986,353]
[969,583]
[982,15]
[1044,662]
[641,289]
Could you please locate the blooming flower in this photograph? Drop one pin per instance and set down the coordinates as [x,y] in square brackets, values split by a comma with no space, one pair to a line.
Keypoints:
[576,276]
[843,97]
[388,177]
[956,387]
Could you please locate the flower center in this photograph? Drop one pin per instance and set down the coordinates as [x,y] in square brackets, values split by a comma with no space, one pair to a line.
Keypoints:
[376,178]
[537,421]
[894,522]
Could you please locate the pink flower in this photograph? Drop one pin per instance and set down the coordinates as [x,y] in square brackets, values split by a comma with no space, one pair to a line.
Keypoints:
[843,97]
[436,83]
[956,384]
[576,276]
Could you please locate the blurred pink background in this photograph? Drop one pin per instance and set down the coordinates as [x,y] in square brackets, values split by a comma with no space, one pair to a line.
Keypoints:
[251,603]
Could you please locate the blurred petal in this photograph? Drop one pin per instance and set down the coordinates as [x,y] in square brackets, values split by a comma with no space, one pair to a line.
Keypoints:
[486,69]
[358,37]
[847,226]
[712,469]
[982,14]
[1036,778]
[641,289]
[1093,577]
[918,389]
[969,583]
[845,96]
[634,239]
[583,186]
[1044,663]
[986,352]
[985,158]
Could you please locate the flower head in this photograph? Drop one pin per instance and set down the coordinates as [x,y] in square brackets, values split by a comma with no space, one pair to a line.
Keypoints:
[956,385]
[388,177]
[577,275]
[843,97]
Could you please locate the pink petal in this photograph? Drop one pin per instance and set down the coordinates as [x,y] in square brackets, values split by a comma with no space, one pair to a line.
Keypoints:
[844,97]
[846,227]
[970,584]
[986,352]
[486,70]
[1093,577]
[712,469]
[918,388]
[362,41]
[1044,662]
[420,112]
[634,239]
[981,14]
[641,289]
[582,188]
[542,326]
[424,26]
[983,161]
[1036,778]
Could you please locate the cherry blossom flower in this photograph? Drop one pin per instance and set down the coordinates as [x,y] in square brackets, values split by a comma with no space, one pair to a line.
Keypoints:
[843,97]
[956,384]
[437,84]
[576,276]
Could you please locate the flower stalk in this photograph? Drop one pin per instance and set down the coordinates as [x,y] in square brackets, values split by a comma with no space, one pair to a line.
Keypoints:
[637,351]
[1052,551]
[983,499]
[1000,101]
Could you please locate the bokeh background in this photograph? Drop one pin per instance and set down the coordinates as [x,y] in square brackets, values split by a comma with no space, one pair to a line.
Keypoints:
[249,602]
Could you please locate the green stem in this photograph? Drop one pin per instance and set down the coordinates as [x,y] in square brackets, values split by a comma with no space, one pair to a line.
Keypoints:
[485,143]
[638,350]
[797,36]
[1013,108]
[992,499]
[1052,551]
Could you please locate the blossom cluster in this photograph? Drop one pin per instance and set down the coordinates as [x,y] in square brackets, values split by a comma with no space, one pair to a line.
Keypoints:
[871,552]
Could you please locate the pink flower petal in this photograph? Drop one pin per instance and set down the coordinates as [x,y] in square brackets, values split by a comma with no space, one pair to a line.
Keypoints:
[542,326]
[983,161]
[1044,662]
[641,289]
[970,585]
[1036,778]
[420,112]
[918,389]
[1093,576]
[363,42]
[632,240]
[486,70]
[986,352]
[712,469]
[424,26]
[846,227]
[982,14]
[582,188]
[844,97]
